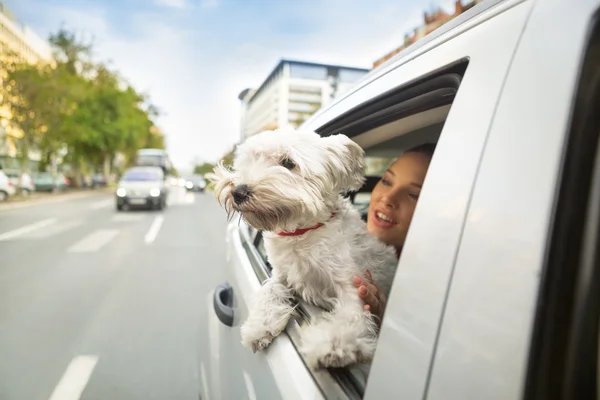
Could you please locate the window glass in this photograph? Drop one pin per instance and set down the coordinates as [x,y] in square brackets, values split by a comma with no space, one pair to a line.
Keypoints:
[301,71]
[138,176]
[350,76]
[260,246]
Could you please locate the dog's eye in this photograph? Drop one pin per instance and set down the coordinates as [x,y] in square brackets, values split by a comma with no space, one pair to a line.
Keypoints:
[287,163]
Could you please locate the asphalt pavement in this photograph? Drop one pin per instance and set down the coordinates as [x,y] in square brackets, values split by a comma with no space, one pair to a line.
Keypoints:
[100,304]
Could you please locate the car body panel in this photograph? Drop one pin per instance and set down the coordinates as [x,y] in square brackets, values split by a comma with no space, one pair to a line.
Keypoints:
[416,303]
[492,302]
[235,372]
[461,310]
[6,185]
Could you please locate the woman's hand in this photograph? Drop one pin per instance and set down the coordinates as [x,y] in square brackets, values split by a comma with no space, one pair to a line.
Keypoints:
[373,298]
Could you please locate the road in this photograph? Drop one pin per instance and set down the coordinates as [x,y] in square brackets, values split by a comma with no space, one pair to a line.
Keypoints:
[100,304]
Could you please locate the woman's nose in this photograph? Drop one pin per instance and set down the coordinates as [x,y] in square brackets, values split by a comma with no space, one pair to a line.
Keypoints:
[391,199]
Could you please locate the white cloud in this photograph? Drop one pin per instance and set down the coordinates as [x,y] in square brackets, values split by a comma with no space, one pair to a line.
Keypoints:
[181,4]
[210,3]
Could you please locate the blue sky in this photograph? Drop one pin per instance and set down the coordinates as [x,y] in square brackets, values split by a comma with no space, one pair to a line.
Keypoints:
[193,57]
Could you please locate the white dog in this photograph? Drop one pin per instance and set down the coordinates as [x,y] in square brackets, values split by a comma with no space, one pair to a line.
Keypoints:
[289,184]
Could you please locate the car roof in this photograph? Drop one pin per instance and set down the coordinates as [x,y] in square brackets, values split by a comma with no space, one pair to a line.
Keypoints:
[401,58]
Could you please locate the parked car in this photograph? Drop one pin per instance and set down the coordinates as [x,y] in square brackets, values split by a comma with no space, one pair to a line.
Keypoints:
[7,188]
[195,183]
[27,185]
[497,291]
[98,180]
[49,182]
[142,187]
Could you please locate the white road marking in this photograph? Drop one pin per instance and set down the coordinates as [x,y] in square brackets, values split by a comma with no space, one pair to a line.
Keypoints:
[249,386]
[75,378]
[204,381]
[26,229]
[94,241]
[154,228]
[54,230]
[102,204]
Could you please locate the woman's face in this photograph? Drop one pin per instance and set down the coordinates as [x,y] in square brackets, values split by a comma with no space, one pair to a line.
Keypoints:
[394,198]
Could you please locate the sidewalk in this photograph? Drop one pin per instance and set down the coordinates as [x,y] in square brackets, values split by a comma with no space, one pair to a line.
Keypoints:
[39,198]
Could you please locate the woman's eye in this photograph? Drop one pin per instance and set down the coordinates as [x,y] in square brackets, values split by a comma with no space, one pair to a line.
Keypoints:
[386,182]
[414,196]
[287,163]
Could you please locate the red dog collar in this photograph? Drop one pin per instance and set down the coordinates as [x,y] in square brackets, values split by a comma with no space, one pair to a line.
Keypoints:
[302,231]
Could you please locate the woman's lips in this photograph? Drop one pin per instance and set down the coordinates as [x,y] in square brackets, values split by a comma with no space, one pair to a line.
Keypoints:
[379,219]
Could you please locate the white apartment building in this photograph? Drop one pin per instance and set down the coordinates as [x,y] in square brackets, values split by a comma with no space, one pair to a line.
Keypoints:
[17,39]
[293,91]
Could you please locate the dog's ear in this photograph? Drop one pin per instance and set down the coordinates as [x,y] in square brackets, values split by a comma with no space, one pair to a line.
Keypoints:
[346,162]
[221,179]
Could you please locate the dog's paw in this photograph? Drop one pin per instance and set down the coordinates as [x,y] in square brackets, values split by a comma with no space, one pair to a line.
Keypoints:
[256,339]
[332,355]
[336,349]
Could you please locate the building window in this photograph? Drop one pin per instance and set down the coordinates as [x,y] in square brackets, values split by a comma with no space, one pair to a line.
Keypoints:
[350,76]
[301,71]
[305,89]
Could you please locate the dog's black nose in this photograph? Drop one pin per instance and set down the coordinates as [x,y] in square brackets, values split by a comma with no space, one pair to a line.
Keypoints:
[240,194]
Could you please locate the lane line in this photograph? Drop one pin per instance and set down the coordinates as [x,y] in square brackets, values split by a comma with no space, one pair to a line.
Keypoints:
[94,241]
[101,204]
[75,378]
[26,229]
[154,228]
[54,230]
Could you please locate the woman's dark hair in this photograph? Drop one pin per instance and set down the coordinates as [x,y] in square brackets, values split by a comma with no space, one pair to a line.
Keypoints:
[426,148]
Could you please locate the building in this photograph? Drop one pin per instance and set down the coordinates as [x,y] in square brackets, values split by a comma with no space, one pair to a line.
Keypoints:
[292,92]
[17,40]
[431,21]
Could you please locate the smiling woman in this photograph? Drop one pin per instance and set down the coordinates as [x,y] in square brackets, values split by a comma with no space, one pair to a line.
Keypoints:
[394,198]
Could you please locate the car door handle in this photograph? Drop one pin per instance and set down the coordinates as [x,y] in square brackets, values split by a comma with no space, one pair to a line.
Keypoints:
[223,301]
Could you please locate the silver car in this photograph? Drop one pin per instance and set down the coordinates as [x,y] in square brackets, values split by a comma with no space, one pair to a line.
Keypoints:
[142,187]
[497,294]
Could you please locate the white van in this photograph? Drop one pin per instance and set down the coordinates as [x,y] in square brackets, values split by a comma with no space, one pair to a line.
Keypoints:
[497,294]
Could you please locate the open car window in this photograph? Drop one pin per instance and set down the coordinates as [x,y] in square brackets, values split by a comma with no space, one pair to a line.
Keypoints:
[381,118]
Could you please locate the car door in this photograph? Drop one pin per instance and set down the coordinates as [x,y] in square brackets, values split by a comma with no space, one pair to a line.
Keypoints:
[417,299]
[521,318]
[277,373]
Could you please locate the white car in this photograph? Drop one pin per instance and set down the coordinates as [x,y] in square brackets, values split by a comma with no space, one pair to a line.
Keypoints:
[7,188]
[27,186]
[142,187]
[497,292]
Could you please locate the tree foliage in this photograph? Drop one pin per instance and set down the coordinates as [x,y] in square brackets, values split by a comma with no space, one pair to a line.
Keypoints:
[204,168]
[74,109]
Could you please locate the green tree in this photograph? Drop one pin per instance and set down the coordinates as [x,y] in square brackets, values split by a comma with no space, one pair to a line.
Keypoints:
[75,106]
[204,168]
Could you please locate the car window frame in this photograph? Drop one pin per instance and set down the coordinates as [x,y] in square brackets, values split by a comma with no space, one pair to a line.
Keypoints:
[352,381]
[563,363]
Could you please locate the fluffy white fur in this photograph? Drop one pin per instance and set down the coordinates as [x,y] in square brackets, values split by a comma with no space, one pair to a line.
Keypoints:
[317,266]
